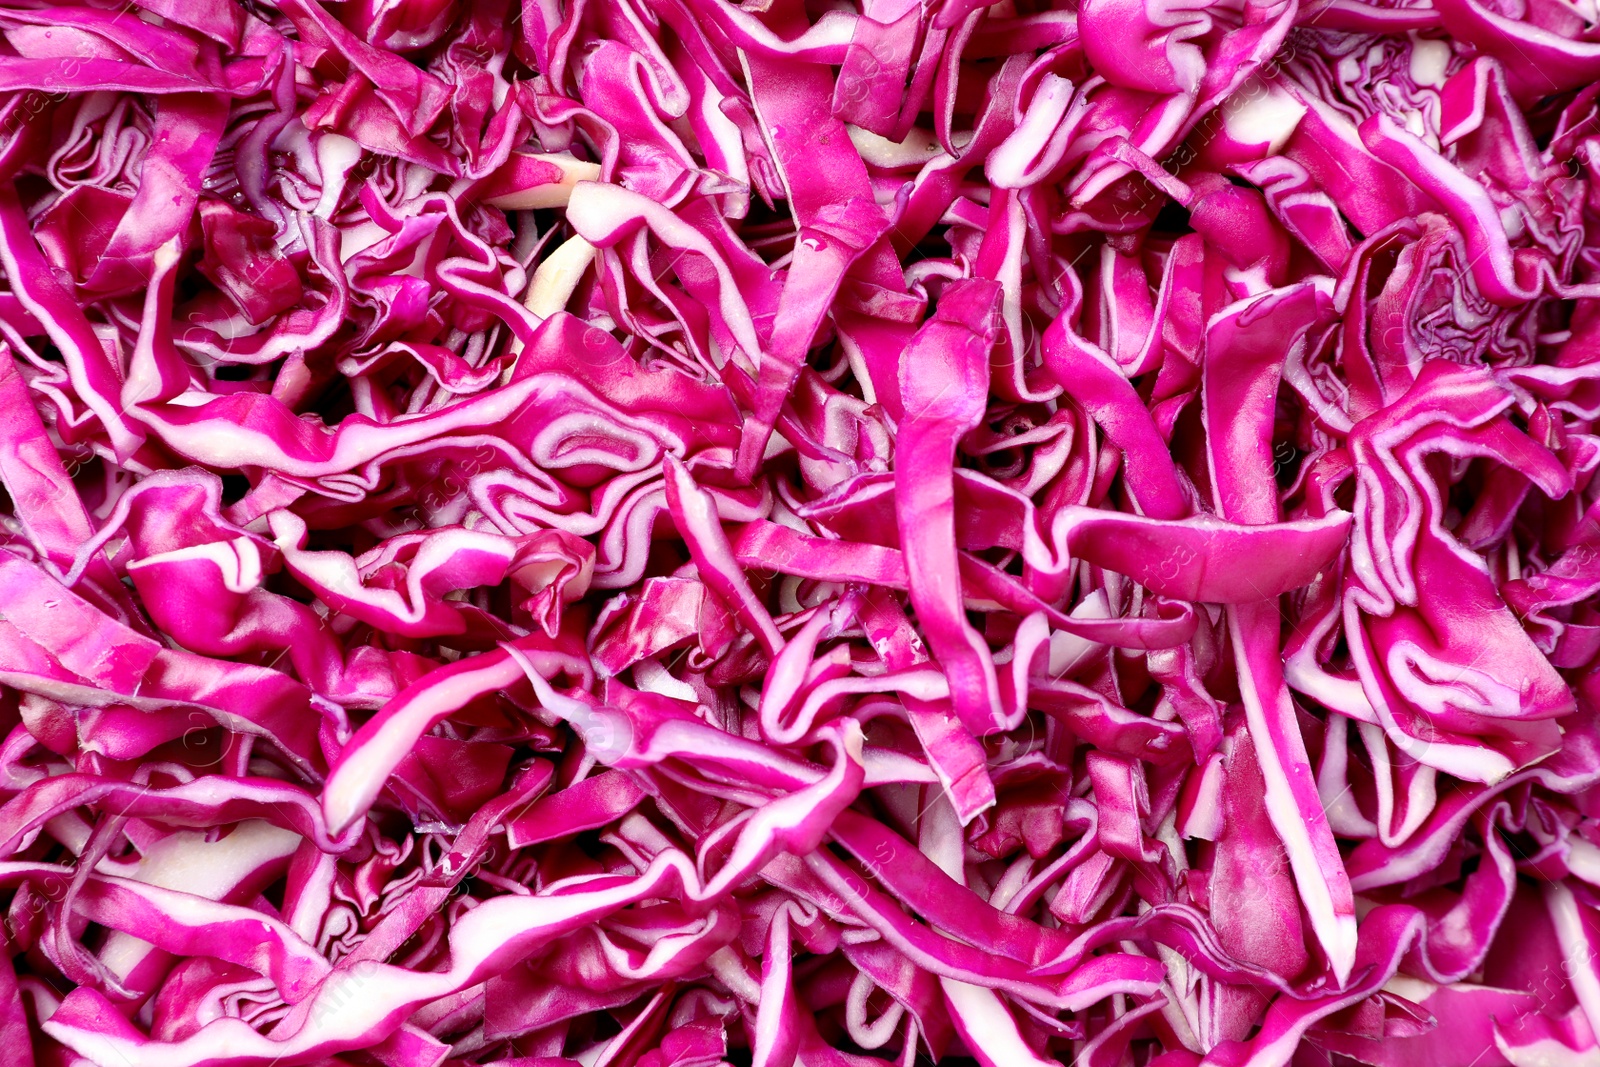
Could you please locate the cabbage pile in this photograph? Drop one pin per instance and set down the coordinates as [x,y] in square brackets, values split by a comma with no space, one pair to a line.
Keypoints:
[800,533]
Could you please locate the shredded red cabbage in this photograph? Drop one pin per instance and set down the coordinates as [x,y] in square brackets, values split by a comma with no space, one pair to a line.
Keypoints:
[801,533]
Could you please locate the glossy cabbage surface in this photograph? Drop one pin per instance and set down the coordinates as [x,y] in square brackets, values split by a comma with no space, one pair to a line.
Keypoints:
[800,533]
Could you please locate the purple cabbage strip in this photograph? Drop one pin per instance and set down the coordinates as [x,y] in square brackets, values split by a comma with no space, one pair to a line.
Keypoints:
[589,532]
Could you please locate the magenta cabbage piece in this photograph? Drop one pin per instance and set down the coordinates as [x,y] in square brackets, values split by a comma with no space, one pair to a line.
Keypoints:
[800,533]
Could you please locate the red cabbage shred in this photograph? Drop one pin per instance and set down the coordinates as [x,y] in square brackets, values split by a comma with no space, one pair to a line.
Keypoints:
[800,533]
